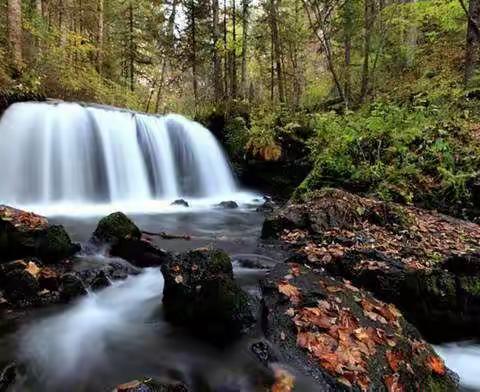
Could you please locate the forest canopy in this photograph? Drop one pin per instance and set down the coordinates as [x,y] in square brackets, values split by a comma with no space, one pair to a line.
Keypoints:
[379,95]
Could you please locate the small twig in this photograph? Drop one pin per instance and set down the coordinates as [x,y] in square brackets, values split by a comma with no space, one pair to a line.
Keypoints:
[167,236]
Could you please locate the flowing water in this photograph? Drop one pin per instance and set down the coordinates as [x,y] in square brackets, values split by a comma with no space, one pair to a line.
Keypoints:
[64,157]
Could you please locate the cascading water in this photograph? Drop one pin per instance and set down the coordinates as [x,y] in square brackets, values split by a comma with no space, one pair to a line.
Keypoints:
[68,155]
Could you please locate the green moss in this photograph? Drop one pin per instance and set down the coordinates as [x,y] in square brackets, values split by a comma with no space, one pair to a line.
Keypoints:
[55,245]
[438,384]
[470,284]
[116,226]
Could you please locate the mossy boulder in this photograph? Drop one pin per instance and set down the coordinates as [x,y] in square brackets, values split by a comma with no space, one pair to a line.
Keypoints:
[116,227]
[24,234]
[124,239]
[201,294]
[345,339]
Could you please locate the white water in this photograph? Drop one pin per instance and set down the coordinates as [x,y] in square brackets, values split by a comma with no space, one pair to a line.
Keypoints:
[65,158]
[463,359]
[73,344]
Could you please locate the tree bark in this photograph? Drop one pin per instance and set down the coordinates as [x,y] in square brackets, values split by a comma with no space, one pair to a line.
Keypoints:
[245,17]
[473,40]
[234,51]
[225,50]
[348,32]
[368,20]
[193,28]
[217,65]
[100,32]
[277,49]
[131,54]
[14,14]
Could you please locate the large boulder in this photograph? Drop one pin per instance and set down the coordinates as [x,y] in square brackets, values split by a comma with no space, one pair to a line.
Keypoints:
[201,294]
[422,261]
[344,338]
[24,234]
[125,240]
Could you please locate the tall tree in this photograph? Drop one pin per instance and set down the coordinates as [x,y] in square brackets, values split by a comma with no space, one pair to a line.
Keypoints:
[245,43]
[233,52]
[473,39]
[100,32]
[369,17]
[14,16]
[217,64]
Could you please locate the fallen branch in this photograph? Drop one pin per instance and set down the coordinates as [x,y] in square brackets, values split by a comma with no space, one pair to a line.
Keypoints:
[167,236]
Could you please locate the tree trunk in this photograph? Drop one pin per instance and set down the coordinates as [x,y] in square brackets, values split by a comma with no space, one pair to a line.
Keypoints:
[234,50]
[65,10]
[225,50]
[217,65]
[473,40]
[14,13]
[277,49]
[193,29]
[131,54]
[245,16]
[368,20]
[39,7]
[348,32]
[100,31]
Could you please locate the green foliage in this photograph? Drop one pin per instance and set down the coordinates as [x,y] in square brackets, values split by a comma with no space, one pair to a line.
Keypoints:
[409,153]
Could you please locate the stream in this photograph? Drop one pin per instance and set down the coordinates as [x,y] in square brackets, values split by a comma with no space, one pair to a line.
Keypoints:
[117,334]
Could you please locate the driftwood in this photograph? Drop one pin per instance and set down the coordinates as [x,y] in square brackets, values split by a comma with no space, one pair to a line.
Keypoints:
[167,236]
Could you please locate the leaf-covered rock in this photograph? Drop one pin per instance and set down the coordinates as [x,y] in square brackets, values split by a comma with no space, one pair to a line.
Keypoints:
[24,234]
[344,338]
[392,250]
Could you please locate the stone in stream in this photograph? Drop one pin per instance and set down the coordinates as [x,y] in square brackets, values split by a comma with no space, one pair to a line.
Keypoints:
[125,240]
[8,376]
[150,385]
[180,202]
[345,339]
[24,234]
[201,294]
[228,204]
[424,262]
[71,287]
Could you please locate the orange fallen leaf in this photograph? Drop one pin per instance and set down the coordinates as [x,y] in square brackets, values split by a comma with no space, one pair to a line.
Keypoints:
[436,364]
[284,381]
[290,291]
[393,384]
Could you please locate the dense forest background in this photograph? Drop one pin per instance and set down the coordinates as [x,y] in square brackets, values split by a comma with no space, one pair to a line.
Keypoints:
[379,96]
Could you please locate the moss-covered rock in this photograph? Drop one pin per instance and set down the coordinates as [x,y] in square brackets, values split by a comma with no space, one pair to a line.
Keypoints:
[115,227]
[24,234]
[344,338]
[201,294]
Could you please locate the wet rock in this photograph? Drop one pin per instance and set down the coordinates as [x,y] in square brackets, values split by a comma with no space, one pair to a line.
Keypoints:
[201,294]
[71,287]
[228,205]
[116,227]
[268,206]
[125,241]
[49,279]
[394,251]
[180,202]
[8,376]
[346,339]
[24,234]
[18,281]
[140,253]
[150,385]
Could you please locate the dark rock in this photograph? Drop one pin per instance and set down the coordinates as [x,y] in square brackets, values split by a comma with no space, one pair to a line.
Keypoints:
[49,279]
[228,204]
[71,287]
[8,376]
[116,227]
[201,294]
[124,239]
[347,327]
[100,281]
[17,282]
[150,385]
[180,202]
[263,353]
[140,253]
[24,234]
[268,206]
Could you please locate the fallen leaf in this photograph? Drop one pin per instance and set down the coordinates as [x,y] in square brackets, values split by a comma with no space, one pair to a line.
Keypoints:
[436,364]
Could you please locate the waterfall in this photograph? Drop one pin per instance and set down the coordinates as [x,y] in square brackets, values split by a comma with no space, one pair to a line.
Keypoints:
[68,154]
